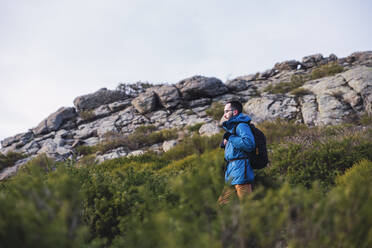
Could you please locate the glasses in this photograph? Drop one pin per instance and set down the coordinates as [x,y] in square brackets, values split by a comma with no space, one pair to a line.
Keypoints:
[227,111]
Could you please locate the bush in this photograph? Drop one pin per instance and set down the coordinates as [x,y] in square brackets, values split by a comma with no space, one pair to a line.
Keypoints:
[10,158]
[315,193]
[215,111]
[87,115]
[326,70]
[196,127]
[300,92]
[365,119]
[285,87]
[320,159]
[277,130]
[41,208]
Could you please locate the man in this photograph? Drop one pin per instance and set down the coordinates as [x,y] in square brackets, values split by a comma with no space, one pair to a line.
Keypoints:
[238,141]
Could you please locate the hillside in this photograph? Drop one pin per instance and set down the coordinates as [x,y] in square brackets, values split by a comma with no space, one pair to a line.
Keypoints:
[316,91]
[140,166]
[315,193]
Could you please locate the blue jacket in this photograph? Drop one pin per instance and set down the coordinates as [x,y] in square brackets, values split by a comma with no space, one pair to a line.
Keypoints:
[238,145]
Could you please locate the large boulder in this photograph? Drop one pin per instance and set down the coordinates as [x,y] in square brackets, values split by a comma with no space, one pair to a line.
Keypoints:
[209,129]
[269,107]
[22,137]
[287,65]
[237,84]
[146,102]
[169,96]
[198,87]
[342,96]
[54,121]
[360,80]
[98,98]
[312,60]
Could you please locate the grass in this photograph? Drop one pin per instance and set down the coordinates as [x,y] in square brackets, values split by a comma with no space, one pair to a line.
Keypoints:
[215,111]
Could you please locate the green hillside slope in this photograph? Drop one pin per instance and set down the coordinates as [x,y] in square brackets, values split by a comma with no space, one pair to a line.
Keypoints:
[315,193]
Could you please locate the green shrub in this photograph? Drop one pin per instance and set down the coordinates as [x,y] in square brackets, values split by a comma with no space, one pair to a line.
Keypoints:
[315,193]
[87,115]
[40,208]
[300,92]
[195,144]
[277,130]
[320,159]
[86,150]
[365,119]
[326,70]
[196,127]
[10,158]
[285,87]
[215,111]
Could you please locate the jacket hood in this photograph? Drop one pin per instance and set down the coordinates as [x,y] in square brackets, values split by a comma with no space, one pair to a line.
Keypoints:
[230,124]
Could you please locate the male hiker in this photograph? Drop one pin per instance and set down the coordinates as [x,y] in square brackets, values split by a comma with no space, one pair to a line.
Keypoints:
[238,141]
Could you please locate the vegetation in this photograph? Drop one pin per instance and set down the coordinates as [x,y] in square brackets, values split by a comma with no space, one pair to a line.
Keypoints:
[315,193]
[143,136]
[300,92]
[297,80]
[87,115]
[9,159]
[215,111]
[326,70]
[285,87]
[196,127]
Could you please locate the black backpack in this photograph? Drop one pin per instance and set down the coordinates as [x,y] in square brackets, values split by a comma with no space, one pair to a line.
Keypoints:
[258,157]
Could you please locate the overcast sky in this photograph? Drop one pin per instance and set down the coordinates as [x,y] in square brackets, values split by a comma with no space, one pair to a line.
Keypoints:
[52,51]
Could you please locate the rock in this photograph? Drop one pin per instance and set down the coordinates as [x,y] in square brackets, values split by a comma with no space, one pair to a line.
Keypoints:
[119,105]
[31,148]
[101,111]
[352,88]
[237,84]
[10,171]
[136,153]
[309,109]
[209,129]
[360,80]
[331,110]
[145,102]
[248,78]
[266,74]
[169,144]
[359,57]
[100,97]
[115,153]
[311,60]
[271,107]
[169,96]
[287,65]
[199,102]
[92,141]
[54,121]
[198,87]
[22,137]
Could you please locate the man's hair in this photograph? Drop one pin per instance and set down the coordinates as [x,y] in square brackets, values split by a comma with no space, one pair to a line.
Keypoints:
[236,105]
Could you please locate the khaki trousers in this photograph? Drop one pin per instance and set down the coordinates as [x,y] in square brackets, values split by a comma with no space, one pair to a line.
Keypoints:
[240,189]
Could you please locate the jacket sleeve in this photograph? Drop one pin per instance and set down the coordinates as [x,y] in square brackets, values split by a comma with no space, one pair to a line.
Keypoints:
[243,140]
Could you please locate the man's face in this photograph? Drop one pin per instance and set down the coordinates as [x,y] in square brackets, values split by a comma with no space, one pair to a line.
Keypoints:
[228,112]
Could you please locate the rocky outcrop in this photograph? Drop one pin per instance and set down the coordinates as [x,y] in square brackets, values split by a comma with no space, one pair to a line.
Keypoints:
[96,99]
[199,87]
[169,96]
[145,102]
[106,113]
[55,121]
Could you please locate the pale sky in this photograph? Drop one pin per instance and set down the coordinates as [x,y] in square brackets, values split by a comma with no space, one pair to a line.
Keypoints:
[52,51]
